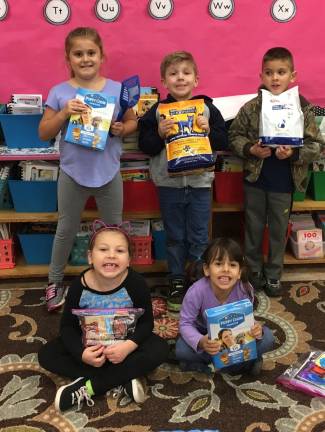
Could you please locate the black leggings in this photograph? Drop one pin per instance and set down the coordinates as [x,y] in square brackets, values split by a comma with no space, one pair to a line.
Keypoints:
[151,353]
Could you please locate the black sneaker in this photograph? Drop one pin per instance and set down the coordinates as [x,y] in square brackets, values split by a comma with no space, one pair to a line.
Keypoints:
[72,394]
[135,389]
[54,295]
[176,295]
[257,280]
[273,288]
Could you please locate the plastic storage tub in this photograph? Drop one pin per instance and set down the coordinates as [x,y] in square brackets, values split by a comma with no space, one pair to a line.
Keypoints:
[21,131]
[317,186]
[159,244]
[140,196]
[228,187]
[34,196]
[37,248]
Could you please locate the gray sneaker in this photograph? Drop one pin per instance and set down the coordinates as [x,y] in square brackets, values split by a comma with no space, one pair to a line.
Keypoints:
[54,295]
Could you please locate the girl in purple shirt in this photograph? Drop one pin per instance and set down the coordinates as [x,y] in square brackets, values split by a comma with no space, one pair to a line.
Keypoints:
[224,281]
[83,171]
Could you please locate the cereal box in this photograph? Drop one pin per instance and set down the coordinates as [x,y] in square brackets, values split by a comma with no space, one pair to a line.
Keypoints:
[187,145]
[231,324]
[90,128]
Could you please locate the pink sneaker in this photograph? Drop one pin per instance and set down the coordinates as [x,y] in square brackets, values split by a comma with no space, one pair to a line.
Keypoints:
[54,295]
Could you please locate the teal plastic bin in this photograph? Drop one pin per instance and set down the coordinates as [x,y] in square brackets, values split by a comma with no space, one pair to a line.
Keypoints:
[34,196]
[21,131]
[159,244]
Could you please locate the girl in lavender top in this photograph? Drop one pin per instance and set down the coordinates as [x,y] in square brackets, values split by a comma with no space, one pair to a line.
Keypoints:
[83,172]
[224,281]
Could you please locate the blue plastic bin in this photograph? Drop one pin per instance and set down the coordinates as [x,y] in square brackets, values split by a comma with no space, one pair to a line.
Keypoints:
[21,131]
[37,248]
[159,244]
[34,196]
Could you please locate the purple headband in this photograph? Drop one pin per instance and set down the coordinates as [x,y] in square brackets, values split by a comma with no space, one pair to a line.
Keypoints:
[100,226]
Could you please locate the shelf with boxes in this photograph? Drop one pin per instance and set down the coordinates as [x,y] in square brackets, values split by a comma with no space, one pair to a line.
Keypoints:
[228,200]
[35,203]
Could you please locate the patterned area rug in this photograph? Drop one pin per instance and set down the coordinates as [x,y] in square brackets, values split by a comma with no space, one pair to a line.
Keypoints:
[175,400]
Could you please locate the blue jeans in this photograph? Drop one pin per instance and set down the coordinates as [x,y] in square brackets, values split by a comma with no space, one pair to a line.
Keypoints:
[184,353]
[186,214]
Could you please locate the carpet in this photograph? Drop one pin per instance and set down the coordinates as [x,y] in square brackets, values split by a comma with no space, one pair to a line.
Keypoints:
[175,400]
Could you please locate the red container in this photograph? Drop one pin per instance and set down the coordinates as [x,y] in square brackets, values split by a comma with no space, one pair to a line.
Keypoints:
[141,250]
[228,187]
[140,196]
[91,204]
[7,259]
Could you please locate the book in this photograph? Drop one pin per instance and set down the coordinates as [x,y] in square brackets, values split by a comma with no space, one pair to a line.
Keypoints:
[25,104]
[39,170]
[306,375]
[188,147]
[91,128]
[231,324]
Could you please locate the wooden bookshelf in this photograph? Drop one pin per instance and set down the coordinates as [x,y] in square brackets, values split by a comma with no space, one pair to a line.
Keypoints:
[22,270]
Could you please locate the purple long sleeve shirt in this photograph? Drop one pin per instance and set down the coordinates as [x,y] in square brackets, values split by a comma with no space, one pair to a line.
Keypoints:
[199,297]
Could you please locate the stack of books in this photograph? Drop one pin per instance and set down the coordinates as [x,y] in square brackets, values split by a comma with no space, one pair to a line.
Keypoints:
[135,170]
[25,104]
[39,170]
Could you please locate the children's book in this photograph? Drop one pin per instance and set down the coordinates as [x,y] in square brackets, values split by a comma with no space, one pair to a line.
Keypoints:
[90,128]
[230,324]
[107,326]
[307,375]
[187,145]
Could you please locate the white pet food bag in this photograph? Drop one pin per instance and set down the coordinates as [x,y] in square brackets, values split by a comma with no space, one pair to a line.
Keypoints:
[282,120]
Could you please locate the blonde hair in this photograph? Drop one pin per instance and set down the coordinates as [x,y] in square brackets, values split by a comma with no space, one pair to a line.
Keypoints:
[177,57]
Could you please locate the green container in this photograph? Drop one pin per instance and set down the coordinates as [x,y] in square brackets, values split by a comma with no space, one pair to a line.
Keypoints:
[300,196]
[318,186]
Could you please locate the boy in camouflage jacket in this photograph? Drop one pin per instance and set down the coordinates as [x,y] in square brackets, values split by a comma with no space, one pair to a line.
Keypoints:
[271,174]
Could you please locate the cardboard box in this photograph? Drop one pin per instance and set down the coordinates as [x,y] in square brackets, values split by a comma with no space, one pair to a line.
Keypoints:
[307,244]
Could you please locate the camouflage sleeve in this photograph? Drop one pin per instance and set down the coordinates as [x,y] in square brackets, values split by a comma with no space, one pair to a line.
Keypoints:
[243,133]
[313,141]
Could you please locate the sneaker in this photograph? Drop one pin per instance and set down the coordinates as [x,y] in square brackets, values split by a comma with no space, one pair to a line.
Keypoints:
[72,394]
[135,389]
[273,288]
[54,295]
[175,296]
[257,280]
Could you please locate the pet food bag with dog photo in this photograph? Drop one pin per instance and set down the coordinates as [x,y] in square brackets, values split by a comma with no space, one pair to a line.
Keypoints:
[188,147]
[281,120]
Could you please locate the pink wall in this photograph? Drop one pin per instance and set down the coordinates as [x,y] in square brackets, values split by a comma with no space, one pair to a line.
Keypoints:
[228,52]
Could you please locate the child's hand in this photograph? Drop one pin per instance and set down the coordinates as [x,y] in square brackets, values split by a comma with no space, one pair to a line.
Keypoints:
[117,128]
[73,106]
[165,126]
[118,352]
[203,123]
[257,330]
[283,152]
[211,347]
[94,356]
[260,151]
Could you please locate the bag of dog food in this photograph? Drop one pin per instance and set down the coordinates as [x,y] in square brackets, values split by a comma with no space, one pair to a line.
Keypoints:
[281,120]
[188,147]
